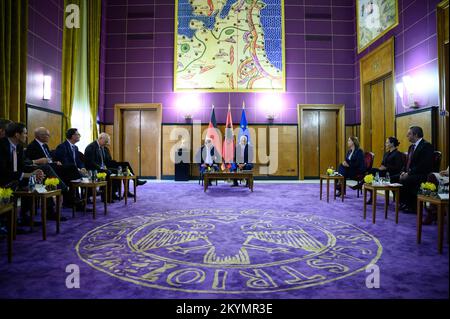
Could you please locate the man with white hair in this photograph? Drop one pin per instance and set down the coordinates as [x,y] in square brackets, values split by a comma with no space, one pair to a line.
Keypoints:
[243,156]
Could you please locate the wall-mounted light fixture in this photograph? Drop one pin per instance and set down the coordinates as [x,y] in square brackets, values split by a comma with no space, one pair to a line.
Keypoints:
[47,87]
[271,106]
[187,104]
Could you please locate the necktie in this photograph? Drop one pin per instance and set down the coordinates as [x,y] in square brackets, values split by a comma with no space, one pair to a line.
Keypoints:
[44,147]
[14,155]
[410,155]
[102,155]
[74,152]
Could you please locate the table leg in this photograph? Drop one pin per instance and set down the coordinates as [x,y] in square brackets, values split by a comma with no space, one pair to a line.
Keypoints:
[15,218]
[374,205]
[110,190]
[343,193]
[397,201]
[365,202]
[440,227]
[328,190]
[386,203]
[58,213]
[334,195]
[11,216]
[73,199]
[205,183]
[419,220]
[44,218]
[85,199]
[106,198]
[252,183]
[125,186]
[321,182]
[32,212]
[94,200]
[135,193]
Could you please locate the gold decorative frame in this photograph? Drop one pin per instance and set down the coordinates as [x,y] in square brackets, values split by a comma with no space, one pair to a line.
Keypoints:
[235,90]
[382,18]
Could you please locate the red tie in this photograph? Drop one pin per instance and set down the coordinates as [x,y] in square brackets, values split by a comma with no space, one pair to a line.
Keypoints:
[410,155]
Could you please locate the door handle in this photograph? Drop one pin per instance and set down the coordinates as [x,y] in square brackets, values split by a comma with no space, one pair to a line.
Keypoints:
[138,149]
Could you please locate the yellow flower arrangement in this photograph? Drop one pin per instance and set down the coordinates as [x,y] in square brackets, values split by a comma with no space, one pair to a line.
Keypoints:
[51,182]
[428,186]
[101,176]
[368,179]
[5,194]
[330,171]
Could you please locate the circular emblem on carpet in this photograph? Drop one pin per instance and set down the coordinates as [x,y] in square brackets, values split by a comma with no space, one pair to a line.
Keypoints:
[229,251]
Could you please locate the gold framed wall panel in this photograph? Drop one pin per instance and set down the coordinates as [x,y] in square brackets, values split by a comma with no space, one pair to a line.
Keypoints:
[52,120]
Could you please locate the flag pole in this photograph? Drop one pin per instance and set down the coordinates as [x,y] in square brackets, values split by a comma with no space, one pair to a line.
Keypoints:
[243,105]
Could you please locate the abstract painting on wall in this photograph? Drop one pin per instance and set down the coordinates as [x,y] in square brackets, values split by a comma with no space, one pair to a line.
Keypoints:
[374,19]
[229,46]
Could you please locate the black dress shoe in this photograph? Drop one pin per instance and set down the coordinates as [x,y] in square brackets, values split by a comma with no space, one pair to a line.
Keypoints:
[369,202]
[53,217]
[140,182]
[338,193]
[130,194]
[115,197]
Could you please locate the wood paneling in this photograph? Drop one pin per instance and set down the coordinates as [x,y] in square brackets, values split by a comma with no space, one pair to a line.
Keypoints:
[37,117]
[172,136]
[389,108]
[422,119]
[377,129]
[328,140]
[150,126]
[310,133]
[375,66]
[287,150]
[131,139]
[109,129]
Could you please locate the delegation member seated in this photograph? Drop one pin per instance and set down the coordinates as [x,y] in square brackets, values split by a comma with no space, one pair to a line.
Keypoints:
[418,166]
[243,156]
[391,164]
[440,178]
[13,165]
[207,158]
[353,165]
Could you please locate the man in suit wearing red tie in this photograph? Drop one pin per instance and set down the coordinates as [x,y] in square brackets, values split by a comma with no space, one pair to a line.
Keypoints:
[418,166]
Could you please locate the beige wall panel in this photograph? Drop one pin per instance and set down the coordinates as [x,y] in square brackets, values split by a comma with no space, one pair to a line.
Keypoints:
[52,121]
[404,122]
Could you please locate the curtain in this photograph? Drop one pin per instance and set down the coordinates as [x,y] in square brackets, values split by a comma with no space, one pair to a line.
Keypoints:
[13,59]
[71,43]
[93,41]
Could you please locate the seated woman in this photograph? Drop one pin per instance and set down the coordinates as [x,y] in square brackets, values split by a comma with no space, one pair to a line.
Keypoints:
[353,164]
[392,163]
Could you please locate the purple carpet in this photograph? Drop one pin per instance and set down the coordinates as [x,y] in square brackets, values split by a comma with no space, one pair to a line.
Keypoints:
[280,241]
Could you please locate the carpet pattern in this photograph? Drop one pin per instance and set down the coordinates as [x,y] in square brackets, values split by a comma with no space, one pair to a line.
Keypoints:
[280,241]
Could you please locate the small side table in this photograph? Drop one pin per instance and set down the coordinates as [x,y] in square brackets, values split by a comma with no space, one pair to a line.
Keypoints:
[43,197]
[125,180]
[8,210]
[440,203]
[336,179]
[386,188]
[93,186]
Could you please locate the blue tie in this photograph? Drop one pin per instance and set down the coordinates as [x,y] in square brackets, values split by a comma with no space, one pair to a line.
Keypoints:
[74,152]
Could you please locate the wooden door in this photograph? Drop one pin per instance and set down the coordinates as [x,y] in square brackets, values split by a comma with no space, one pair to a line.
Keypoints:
[149,142]
[131,138]
[320,146]
[377,131]
[382,117]
[327,140]
[310,134]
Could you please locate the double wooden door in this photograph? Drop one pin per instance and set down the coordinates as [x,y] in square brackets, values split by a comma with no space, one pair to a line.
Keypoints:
[320,141]
[381,117]
[140,140]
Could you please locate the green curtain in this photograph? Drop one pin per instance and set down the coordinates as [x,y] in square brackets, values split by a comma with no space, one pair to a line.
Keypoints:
[94,25]
[13,59]
[71,43]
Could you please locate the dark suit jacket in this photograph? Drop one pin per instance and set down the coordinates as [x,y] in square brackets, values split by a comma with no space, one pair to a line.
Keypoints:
[93,157]
[201,155]
[422,159]
[64,154]
[34,151]
[248,154]
[6,164]
[356,163]
[393,162]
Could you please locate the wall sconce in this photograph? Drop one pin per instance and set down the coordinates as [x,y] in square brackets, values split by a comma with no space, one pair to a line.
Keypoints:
[187,104]
[271,106]
[47,87]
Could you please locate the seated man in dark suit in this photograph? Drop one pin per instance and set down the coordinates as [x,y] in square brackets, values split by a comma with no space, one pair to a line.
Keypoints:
[96,159]
[13,164]
[418,166]
[67,152]
[206,157]
[243,156]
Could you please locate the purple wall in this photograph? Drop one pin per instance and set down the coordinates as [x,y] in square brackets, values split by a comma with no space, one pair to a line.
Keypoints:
[415,41]
[45,22]
[102,73]
[139,60]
